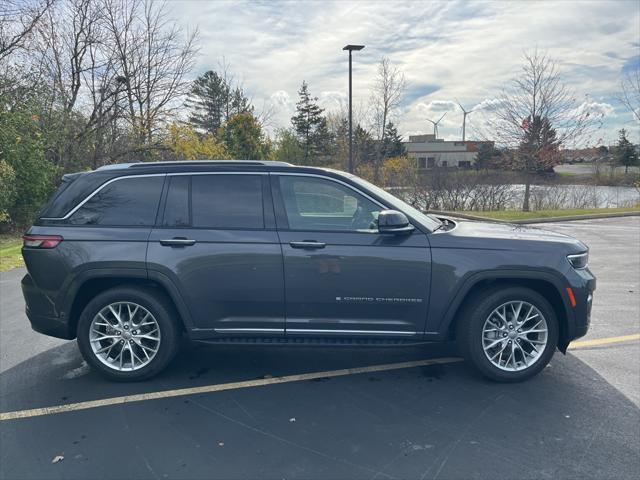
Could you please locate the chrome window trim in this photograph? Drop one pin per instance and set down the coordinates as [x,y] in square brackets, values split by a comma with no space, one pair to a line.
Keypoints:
[124,177]
[324,177]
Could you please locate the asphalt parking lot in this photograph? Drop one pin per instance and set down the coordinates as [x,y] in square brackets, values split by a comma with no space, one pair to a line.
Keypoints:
[580,418]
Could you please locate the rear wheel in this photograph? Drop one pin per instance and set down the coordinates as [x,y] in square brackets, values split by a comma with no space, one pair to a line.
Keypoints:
[128,334]
[508,334]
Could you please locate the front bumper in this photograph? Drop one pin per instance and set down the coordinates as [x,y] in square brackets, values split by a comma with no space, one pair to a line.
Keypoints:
[41,312]
[583,284]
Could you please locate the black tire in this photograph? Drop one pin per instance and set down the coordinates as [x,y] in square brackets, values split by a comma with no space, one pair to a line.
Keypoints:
[157,305]
[470,325]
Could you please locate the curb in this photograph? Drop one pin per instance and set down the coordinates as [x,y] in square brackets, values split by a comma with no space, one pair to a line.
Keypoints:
[571,218]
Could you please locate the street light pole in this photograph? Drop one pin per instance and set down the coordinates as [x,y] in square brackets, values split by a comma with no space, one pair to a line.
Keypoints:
[351,48]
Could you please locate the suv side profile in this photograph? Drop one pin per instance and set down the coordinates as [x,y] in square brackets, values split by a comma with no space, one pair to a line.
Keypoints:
[130,257]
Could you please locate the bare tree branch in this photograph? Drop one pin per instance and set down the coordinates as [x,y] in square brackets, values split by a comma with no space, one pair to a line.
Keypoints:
[630,95]
[18,21]
[387,94]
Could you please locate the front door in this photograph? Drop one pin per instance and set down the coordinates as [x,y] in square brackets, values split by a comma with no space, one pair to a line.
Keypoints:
[342,277]
[217,243]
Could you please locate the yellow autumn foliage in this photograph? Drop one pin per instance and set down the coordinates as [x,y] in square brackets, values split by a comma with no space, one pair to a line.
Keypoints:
[187,144]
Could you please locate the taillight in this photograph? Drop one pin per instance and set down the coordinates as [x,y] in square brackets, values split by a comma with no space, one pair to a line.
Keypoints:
[41,241]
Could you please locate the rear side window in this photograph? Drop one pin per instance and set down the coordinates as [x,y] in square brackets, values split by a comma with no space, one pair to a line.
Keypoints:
[127,202]
[227,201]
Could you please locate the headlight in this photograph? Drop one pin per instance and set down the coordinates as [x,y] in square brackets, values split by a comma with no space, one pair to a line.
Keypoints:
[579,260]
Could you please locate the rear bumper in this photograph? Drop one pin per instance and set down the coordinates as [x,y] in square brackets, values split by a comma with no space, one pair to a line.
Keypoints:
[41,312]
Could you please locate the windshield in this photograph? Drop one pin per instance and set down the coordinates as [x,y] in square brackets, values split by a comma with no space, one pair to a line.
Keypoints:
[428,221]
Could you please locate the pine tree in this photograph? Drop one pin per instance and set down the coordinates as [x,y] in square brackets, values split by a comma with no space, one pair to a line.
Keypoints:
[208,101]
[213,102]
[625,153]
[310,127]
[392,145]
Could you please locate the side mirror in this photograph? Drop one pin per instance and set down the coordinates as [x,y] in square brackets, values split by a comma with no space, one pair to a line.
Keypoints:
[392,221]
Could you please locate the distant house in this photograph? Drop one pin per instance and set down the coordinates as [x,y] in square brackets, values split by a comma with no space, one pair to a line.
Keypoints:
[429,152]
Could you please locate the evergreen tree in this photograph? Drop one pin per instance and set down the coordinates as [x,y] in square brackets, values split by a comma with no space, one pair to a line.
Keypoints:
[392,145]
[364,146]
[244,138]
[625,153]
[213,102]
[311,127]
[287,148]
[208,102]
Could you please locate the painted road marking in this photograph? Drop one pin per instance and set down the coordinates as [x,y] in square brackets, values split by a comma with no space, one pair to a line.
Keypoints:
[604,341]
[71,407]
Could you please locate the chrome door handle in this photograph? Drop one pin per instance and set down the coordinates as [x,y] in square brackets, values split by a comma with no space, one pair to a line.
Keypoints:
[308,244]
[177,242]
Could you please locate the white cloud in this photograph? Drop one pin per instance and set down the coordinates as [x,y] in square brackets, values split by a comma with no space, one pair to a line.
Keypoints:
[447,50]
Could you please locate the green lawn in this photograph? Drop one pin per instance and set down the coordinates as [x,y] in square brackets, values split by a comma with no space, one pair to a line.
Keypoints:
[10,256]
[516,215]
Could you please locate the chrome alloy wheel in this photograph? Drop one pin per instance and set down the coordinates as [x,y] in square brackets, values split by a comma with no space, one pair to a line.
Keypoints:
[514,336]
[124,336]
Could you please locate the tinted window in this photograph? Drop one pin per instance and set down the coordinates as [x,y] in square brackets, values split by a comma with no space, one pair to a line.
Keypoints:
[176,210]
[126,202]
[227,201]
[317,204]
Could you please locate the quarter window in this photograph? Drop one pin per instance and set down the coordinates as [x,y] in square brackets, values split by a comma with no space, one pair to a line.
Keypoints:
[127,202]
[227,201]
[323,205]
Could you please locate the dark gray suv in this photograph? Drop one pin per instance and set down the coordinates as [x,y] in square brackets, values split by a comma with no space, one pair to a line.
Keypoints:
[129,257]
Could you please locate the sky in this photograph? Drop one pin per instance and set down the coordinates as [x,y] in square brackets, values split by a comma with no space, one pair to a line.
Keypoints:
[449,51]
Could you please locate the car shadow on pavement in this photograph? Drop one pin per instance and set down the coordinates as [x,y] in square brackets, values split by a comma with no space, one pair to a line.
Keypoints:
[425,422]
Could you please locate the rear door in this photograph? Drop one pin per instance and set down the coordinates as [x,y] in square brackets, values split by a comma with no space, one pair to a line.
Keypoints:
[216,241]
[342,277]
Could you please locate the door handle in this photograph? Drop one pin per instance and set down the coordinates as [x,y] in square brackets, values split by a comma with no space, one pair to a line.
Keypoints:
[308,245]
[177,242]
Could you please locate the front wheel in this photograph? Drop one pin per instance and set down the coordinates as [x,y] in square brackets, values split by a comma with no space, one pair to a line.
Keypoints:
[508,334]
[128,334]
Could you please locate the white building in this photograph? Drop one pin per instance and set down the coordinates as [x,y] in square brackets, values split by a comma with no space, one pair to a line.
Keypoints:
[429,152]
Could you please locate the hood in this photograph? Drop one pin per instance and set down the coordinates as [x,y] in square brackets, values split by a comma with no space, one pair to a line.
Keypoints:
[491,235]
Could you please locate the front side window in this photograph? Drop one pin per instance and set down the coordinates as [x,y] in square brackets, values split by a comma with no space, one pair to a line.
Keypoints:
[129,202]
[227,201]
[317,204]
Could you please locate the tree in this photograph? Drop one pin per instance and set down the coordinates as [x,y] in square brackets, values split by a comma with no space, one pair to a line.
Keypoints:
[310,127]
[7,190]
[536,115]
[244,138]
[213,102]
[185,143]
[153,56]
[625,153]
[207,102]
[287,148]
[392,145]
[630,96]
[387,94]
[22,148]
[18,20]
[486,154]
[540,144]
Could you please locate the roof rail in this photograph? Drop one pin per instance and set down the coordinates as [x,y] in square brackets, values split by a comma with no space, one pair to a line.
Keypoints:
[207,162]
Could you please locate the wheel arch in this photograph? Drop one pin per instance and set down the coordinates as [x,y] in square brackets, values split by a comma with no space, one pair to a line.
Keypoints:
[546,284]
[96,281]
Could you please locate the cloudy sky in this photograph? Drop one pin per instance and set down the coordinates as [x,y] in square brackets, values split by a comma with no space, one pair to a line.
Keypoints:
[447,50]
